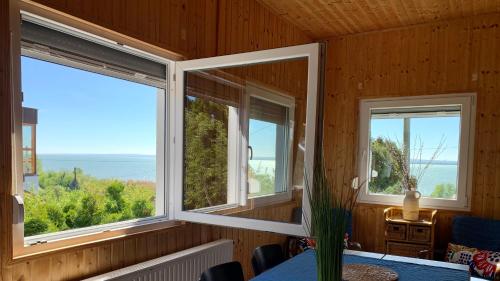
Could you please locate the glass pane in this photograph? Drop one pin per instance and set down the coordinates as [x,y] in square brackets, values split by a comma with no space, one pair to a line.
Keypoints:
[268,139]
[435,155]
[421,147]
[27,137]
[235,112]
[28,164]
[96,148]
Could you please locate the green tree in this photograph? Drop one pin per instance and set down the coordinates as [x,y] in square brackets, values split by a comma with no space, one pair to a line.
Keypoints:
[444,190]
[205,182]
[388,180]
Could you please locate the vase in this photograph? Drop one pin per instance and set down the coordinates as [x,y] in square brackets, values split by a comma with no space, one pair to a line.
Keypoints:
[411,205]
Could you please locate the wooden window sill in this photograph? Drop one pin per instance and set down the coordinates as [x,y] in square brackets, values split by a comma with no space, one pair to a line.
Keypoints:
[87,240]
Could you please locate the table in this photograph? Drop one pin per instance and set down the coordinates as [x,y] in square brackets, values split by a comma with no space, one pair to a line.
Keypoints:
[303,268]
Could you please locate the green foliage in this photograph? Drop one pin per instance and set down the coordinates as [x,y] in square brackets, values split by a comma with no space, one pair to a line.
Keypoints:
[267,181]
[388,179]
[205,183]
[115,202]
[35,226]
[57,207]
[447,191]
[142,208]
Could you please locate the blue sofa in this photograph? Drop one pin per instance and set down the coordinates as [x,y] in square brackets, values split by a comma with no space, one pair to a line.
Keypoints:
[476,232]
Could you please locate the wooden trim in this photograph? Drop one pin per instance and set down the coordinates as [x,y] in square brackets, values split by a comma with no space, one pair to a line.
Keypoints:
[31,252]
[69,20]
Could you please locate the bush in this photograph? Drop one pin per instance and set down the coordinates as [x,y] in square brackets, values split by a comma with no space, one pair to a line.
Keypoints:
[35,226]
[114,194]
[142,209]
[447,191]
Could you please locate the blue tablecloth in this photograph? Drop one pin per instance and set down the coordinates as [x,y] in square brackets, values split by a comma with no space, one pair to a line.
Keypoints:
[303,268]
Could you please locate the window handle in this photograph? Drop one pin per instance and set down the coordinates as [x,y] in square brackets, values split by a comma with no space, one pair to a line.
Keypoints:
[251,152]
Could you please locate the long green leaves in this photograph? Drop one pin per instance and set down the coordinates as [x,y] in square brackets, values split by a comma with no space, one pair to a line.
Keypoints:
[329,217]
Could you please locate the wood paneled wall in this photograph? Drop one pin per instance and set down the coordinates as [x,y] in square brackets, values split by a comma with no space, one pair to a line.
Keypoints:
[194,28]
[444,57]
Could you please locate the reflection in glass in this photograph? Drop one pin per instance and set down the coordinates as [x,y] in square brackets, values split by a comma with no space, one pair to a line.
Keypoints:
[241,140]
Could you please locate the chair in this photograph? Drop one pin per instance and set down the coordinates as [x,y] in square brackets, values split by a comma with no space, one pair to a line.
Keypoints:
[476,232]
[230,271]
[266,257]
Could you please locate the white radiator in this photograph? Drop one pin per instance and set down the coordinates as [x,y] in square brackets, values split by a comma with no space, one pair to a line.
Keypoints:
[185,265]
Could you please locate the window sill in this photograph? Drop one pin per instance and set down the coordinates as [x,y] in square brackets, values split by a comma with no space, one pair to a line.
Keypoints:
[32,251]
[426,203]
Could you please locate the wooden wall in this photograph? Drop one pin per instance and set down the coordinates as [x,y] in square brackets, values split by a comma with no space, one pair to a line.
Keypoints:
[194,28]
[444,57]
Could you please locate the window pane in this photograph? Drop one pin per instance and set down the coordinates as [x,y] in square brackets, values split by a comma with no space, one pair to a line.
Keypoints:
[435,157]
[96,148]
[419,147]
[27,137]
[244,141]
[268,140]
[206,153]
[386,136]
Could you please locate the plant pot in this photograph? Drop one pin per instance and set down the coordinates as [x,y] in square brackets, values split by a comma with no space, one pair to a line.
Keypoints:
[411,205]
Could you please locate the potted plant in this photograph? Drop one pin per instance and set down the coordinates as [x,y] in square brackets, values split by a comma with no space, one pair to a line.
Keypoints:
[330,208]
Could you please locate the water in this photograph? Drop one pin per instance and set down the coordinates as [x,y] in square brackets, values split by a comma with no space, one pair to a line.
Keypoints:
[143,167]
[103,166]
[437,174]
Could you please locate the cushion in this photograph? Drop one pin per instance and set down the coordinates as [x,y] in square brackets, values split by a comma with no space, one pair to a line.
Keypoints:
[482,263]
[459,254]
[486,264]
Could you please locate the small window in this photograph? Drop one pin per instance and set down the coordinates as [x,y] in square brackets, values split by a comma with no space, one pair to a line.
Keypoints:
[93,134]
[422,143]
[270,131]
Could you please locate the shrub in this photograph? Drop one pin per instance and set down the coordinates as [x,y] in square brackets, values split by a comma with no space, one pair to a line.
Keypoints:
[142,208]
[35,226]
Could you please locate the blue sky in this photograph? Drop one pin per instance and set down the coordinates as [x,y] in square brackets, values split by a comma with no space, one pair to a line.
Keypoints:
[262,138]
[427,131]
[87,113]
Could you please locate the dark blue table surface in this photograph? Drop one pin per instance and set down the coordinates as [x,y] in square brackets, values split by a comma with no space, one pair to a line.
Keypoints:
[303,268]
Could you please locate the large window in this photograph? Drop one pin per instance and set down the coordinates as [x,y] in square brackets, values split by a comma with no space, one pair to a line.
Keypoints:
[422,143]
[98,129]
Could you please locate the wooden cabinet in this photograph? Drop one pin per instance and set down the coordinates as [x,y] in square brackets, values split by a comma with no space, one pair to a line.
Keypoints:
[410,238]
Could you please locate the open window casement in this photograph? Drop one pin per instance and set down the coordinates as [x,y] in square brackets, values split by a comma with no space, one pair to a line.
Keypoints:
[244,130]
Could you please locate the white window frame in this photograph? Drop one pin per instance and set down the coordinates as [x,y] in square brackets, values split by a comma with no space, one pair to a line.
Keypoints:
[276,97]
[467,102]
[310,51]
[163,204]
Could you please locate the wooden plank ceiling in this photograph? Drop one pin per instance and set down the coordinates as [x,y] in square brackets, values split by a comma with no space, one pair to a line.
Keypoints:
[327,18]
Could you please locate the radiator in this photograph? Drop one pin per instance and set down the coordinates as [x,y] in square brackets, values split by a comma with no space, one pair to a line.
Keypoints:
[185,265]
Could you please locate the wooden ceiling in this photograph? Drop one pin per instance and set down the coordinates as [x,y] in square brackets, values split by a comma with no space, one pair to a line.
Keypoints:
[326,18]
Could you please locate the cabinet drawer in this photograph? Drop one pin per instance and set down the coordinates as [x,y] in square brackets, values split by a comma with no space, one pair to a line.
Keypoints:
[395,231]
[408,250]
[419,233]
